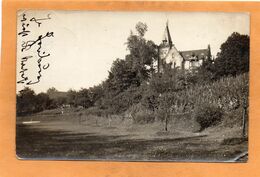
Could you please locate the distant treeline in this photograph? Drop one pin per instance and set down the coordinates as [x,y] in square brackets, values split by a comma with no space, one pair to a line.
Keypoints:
[29,102]
[134,81]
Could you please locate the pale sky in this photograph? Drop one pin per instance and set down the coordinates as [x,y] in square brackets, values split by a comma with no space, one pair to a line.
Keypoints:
[85,43]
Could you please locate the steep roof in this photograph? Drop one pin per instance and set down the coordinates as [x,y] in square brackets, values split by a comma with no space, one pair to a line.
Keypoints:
[166,40]
[199,54]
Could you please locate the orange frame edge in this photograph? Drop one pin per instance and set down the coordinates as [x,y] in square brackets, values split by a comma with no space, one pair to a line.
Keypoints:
[10,166]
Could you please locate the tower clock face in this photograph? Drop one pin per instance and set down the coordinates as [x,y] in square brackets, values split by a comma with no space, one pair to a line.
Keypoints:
[163,52]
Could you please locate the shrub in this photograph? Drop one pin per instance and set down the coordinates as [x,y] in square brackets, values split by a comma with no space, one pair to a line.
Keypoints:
[143,117]
[94,111]
[207,115]
[124,100]
[150,100]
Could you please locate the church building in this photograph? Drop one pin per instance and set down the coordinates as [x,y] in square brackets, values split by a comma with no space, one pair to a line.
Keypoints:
[185,60]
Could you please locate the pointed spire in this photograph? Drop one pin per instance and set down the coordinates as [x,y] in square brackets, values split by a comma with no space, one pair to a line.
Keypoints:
[209,52]
[167,36]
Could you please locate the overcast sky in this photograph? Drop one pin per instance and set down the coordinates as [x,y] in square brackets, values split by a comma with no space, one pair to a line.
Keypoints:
[86,43]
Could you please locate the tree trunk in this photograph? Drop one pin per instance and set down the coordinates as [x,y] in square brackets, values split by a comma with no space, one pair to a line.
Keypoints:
[166,122]
[244,122]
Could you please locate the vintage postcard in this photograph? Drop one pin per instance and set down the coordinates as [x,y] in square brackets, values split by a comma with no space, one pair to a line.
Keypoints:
[132,86]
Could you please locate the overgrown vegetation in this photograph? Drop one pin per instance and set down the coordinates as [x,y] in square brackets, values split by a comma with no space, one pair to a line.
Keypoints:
[133,87]
[207,115]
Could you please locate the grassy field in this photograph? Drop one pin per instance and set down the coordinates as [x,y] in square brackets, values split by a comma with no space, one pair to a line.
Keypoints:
[77,136]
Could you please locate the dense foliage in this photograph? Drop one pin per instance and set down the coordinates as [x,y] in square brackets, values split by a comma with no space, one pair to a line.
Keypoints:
[133,87]
[233,59]
[207,115]
[28,102]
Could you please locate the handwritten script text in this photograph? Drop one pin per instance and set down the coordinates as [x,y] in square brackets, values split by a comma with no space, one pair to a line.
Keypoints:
[32,52]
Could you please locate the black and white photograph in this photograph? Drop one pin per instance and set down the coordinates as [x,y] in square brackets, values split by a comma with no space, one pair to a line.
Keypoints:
[132,86]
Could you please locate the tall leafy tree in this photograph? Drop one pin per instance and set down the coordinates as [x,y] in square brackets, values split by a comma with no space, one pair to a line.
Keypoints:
[137,65]
[43,102]
[83,98]
[205,73]
[26,101]
[142,53]
[72,97]
[233,57]
[96,93]
[121,76]
[128,74]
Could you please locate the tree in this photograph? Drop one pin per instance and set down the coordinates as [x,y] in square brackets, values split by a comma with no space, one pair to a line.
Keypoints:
[127,75]
[43,102]
[233,57]
[141,28]
[121,77]
[204,73]
[166,101]
[52,91]
[71,97]
[143,53]
[171,80]
[83,98]
[124,100]
[150,99]
[137,65]
[96,94]
[26,101]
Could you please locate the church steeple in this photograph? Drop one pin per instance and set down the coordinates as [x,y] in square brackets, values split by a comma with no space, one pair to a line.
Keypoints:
[167,40]
[209,52]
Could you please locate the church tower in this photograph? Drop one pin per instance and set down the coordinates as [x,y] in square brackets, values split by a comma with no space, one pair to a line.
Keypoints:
[167,52]
[166,43]
[169,56]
